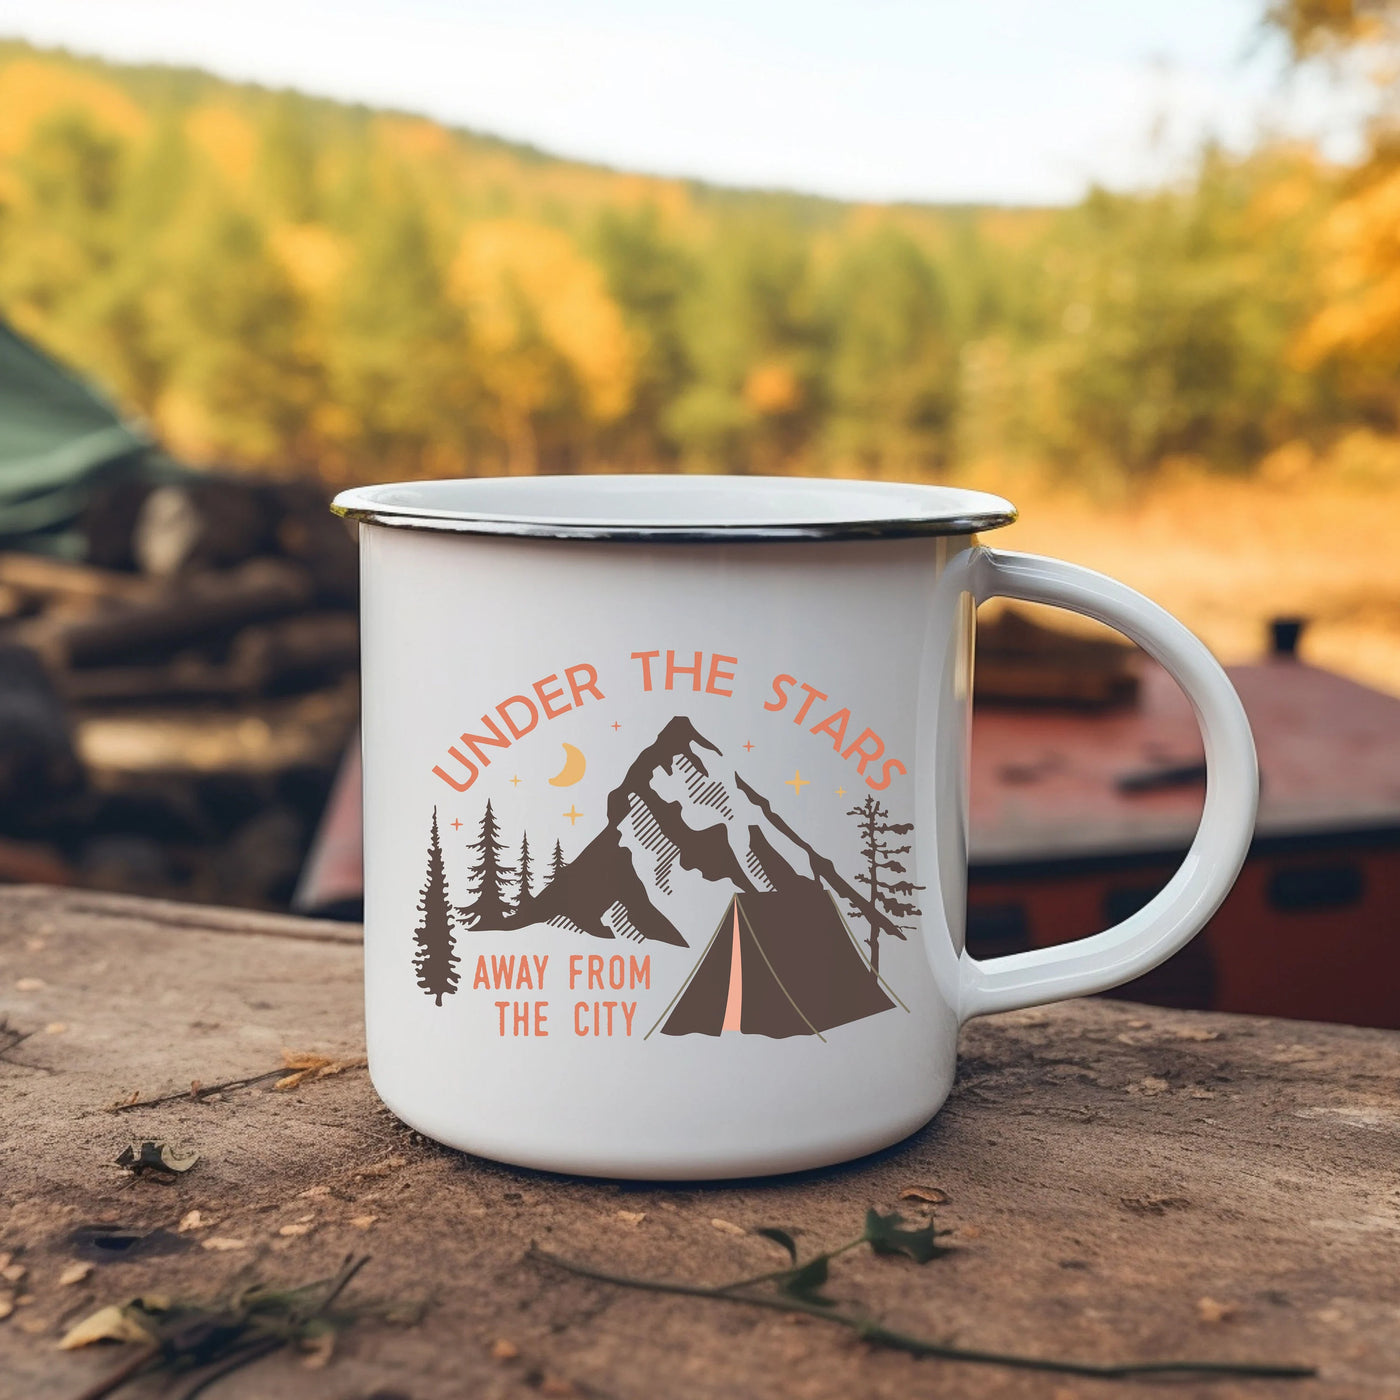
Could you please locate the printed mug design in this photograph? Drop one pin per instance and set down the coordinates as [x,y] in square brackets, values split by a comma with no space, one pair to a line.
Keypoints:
[783,959]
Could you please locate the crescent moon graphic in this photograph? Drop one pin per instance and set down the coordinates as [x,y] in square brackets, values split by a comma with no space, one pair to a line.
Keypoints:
[573,769]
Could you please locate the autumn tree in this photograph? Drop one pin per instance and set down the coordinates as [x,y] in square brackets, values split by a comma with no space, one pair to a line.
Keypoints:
[399,370]
[435,952]
[890,369]
[881,861]
[489,880]
[241,385]
[1353,338]
[648,276]
[553,348]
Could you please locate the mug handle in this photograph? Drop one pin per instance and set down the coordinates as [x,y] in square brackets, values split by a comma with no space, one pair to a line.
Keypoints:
[1178,912]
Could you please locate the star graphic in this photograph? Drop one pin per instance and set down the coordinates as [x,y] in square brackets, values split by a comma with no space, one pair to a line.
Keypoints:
[840,792]
[515,781]
[616,726]
[573,814]
[798,783]
[457,824]
[749,747]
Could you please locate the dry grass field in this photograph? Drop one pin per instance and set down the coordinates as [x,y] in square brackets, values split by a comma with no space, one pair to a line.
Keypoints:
[1227,554]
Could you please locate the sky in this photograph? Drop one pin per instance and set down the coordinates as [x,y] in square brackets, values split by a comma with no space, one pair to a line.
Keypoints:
[1008,101]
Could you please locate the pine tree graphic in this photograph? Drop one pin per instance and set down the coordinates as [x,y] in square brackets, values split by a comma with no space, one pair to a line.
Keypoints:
[556,864]
[435,952]
[490,879]
[524,895]
[881,860]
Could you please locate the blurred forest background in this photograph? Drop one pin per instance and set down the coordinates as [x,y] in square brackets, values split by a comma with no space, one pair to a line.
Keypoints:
[1196,388]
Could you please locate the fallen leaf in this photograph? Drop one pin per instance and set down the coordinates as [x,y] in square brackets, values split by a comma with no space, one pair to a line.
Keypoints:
[363,1222]
[12,1273]
[7,1306]
[301,1227]
[55,1028]
[970,1232]
[885,1235]
[1195,1033]
[307,1065]
[728,1227]
[151,1156]
[74,1273]
[30,984]
[222,1243]
[109,1324]
[1211,1311]
[632,1217]
[1139,1025]
[931,1194]
[192,1220]
[504,1350]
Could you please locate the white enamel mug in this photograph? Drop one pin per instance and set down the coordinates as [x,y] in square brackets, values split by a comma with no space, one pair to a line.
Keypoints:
[666,813]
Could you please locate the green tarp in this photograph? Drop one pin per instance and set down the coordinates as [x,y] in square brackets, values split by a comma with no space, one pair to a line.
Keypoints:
[59,440]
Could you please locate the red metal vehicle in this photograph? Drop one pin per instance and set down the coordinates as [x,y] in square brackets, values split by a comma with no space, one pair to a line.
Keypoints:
[1079,817]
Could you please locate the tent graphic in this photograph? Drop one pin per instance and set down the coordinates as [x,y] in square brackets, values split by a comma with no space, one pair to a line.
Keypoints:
[779,963]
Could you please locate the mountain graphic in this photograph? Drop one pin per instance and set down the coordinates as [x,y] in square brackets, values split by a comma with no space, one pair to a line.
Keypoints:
[687,839]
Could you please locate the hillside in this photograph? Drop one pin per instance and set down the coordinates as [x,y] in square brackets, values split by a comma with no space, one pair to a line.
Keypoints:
[293,283]
[1195,389]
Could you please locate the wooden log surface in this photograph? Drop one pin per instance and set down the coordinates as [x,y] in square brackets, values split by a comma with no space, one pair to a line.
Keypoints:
[1123,1183]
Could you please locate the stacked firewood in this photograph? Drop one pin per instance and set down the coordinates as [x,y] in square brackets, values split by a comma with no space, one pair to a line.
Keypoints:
[173,705]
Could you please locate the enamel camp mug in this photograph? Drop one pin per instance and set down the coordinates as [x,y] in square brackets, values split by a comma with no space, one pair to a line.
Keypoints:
[666,812]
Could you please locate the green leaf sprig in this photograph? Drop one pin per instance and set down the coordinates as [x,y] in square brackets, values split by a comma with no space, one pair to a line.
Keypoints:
[799,1287]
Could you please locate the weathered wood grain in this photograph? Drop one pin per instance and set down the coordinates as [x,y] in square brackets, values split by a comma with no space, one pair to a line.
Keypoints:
[1108,1167]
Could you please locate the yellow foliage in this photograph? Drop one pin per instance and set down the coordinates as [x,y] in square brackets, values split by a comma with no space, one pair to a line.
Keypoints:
[519,282]
[1285,198]
[185,426]
[314,257]
[1360,242]
[772,389]
[413,137]
[32,90]
[227,137]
